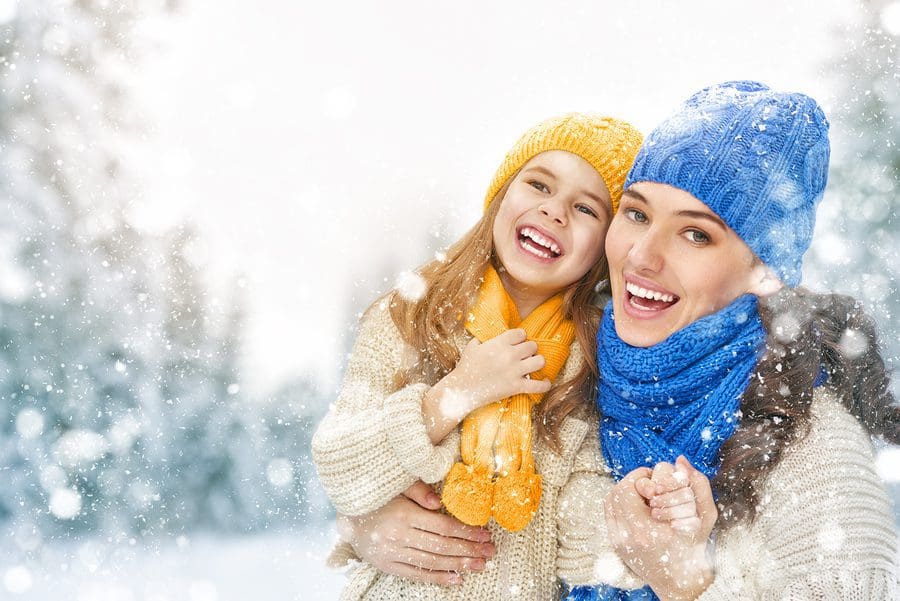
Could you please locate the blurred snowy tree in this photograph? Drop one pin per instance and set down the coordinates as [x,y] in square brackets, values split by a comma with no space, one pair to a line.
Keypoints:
[856,249]
[120,407]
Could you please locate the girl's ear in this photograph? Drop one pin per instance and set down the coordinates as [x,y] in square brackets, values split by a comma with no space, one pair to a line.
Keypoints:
[763,281]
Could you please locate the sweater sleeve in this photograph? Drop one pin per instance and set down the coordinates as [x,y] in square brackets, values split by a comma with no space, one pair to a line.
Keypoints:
[584,554]
[824,529]
[373,444]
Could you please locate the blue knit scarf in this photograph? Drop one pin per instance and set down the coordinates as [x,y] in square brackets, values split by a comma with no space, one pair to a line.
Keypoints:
[679,397]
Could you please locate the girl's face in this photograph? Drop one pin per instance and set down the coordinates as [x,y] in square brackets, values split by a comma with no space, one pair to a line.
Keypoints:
[549,229]
[672,261]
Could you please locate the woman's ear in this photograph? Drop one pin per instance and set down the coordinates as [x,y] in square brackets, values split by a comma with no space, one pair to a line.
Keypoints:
[763,281]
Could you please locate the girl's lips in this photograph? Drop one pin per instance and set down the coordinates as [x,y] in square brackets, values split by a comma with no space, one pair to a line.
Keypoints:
[538,244]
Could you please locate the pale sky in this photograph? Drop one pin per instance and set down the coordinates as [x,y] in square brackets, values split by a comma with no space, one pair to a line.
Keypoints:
[321,147]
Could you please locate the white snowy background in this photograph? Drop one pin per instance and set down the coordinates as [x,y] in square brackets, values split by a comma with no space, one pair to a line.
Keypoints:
[201,197]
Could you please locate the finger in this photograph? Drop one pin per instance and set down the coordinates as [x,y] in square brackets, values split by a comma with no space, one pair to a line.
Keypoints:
[442,563]
[670,499]
[646,488]
[446,525]
[535,386]
[526,349]
[448,545]
[423,495]
[413,573]
[706,505]
[663,478]
[532,364]
[513,336]
[665,514]
[689,526]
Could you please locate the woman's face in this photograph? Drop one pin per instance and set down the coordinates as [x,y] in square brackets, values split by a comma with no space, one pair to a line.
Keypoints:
[550,227]
[671,262]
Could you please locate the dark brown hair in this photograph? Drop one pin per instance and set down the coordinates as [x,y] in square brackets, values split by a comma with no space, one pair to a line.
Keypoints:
[809,337]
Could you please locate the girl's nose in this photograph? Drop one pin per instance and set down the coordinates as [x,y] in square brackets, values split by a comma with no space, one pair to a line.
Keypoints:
[554,210]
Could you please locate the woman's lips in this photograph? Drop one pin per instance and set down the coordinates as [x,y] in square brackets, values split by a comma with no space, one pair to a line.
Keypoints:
[643,300]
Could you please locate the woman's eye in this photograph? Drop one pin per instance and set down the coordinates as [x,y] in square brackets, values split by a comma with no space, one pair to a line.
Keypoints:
[635,215]
[539,186]
[696,236]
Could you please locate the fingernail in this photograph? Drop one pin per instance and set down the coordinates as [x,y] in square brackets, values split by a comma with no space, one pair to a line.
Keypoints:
[484,536]
[434,501]
[455,579]
[488,550]
[475,565]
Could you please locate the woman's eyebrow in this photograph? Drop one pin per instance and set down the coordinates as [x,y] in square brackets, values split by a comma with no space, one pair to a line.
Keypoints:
[704,215]
[635,195]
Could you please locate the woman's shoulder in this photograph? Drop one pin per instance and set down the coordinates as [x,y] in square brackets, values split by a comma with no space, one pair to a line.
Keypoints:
[833,426]
[835,460]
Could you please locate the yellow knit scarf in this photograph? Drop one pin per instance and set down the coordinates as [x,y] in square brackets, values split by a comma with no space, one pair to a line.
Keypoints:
[496,476]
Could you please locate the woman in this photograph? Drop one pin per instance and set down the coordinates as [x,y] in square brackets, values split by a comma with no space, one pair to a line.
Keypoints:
[699,357]
[707,351]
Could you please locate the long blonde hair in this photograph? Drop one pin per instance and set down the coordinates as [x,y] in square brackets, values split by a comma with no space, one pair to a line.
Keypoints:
[430,324]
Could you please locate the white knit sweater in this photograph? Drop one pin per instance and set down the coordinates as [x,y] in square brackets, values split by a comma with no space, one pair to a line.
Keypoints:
[372,445]
[824,529]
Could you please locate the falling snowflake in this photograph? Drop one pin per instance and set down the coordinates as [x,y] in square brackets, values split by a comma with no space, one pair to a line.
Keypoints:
[280,472]
[65,503]
[411,286]
[17,580]
[29,423]
[852,344]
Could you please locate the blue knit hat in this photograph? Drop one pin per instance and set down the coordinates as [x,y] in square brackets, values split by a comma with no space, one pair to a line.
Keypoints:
[756,157]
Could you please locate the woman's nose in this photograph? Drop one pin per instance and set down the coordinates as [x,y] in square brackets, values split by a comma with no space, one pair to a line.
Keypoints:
[647,253]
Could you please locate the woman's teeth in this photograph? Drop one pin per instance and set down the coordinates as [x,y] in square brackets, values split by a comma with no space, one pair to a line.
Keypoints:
[636,290]
[552,249]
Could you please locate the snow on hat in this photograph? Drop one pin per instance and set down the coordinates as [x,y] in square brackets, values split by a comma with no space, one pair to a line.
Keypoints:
[756,157]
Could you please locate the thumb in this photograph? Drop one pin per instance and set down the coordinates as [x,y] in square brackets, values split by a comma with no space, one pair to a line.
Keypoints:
[423,495]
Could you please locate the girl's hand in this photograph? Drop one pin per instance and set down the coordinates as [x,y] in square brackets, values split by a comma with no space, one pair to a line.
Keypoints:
[675,564]
[408,537]
[498,368]
[670,497]
[486,372]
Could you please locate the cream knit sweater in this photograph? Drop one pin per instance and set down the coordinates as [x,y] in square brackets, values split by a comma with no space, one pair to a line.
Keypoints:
[825,530]
[372,445]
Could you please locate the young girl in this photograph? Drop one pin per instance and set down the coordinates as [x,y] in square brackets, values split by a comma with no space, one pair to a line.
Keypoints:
[707,350]
[499,338]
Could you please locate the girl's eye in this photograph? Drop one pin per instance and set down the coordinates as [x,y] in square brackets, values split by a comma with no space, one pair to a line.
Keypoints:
[586,209]
[696,237]
[635,215]
[539,186]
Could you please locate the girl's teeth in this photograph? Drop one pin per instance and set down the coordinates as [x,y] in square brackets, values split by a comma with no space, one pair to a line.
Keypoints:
[534,235]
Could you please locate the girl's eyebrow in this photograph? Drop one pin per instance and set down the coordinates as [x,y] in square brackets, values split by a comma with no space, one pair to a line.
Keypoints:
[552,175]
[543,170]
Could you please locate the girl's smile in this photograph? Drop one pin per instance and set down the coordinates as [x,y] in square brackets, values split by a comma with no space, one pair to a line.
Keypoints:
[550,226]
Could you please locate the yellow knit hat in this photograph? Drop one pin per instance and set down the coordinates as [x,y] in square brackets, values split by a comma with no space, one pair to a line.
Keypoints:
[609,145]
